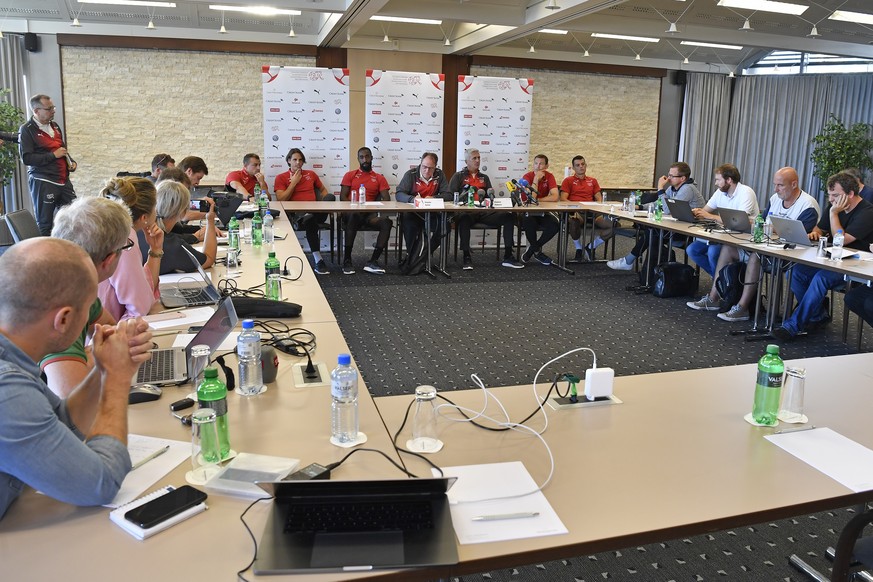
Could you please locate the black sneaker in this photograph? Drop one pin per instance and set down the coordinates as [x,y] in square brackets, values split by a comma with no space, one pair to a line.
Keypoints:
[348,269]
[468,263]
[783,335]
[528,255]
[374,267]
[321,268]
[511,263]
[543,258]
[578,257]
[589,253]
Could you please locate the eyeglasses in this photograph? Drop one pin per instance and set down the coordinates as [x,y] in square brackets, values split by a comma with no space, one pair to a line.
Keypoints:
[673,176]
[126,247]
[52,108]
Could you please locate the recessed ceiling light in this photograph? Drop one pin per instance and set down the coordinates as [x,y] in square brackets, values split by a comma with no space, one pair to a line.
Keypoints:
[259,10]
[765,6]
[732,47]
[553,31]
[624,37]
[131,3]
[407,20]
[672,28]
[851,16]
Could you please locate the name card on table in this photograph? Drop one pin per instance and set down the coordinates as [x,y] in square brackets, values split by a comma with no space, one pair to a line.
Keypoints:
[430,203]
[502,203]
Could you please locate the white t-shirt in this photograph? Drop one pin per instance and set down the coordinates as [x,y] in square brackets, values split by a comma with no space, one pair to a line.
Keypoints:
[803,203]
[743,198]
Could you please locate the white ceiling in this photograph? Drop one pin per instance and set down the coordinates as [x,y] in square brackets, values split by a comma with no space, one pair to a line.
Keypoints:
[481,27]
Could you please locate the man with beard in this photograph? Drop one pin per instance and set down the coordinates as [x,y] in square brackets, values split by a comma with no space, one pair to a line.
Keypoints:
[376,187]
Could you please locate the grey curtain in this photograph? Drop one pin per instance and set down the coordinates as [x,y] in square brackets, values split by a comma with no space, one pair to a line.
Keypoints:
[15,194]
[704,134]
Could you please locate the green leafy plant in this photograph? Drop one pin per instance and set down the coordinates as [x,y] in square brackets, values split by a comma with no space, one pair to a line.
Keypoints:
[11,117]
[838,147]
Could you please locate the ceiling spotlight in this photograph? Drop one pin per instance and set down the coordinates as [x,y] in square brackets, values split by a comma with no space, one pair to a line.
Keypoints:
[553,5]
[637,58]
[448,42]
[814,31]
[76,22]
[151,25]
[386,39]
[348,35]
[685,61]
[222,30]
[291,33]
[731,76]
[1,34]
[747,25]
[672,28]
[586,53]
[532,49]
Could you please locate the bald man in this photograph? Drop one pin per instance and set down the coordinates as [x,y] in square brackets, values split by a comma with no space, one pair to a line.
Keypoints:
[788,201]
[74,450]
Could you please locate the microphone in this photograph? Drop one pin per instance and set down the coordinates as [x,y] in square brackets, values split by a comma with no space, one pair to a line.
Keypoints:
[480,195]
[530,194]
[490,194]
[511,186]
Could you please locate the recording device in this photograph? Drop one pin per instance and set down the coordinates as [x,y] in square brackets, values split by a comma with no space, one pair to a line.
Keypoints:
[181,404]
[200,205]
[166,506]
[9,136]
[529,196]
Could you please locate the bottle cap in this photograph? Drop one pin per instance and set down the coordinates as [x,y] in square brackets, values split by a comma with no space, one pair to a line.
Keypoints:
[772,349]
[840,231]
[248,323]
[210,372]
[344,359]
[272,254]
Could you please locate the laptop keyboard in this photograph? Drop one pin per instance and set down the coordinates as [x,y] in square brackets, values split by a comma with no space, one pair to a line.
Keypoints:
[336,517]
[196,296]
[158,369]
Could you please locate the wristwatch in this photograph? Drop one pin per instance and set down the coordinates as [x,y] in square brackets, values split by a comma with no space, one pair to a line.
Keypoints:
[156,254]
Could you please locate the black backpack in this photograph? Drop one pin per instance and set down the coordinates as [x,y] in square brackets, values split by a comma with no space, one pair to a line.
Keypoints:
[675,280]
[416,260]
[729,284]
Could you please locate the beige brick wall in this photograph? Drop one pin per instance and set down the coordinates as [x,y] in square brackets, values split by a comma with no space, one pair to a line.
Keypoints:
[611,120]
[123,106]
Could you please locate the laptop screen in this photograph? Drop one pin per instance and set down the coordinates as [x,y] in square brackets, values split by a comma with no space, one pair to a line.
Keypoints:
[216,329]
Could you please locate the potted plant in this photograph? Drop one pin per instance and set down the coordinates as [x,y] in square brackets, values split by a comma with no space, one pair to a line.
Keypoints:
[838,147]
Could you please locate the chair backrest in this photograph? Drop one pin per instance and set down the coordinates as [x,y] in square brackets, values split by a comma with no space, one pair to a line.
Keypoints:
[22,225]
[6,240]
[124,174]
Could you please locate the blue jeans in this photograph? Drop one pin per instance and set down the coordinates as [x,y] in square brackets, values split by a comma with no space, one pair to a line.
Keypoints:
[704,255]
[810,285]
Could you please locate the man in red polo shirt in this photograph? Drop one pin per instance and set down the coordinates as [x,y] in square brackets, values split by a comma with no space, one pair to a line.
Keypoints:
[377,188]
[583,188]
[544,184]
[243,181]
[423,181]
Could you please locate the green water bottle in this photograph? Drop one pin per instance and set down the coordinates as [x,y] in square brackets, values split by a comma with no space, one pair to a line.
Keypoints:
[233,233]
[263,204]
[271,286]
[768,388]
[212,393]
[257,231]
[758,233]
[659,210]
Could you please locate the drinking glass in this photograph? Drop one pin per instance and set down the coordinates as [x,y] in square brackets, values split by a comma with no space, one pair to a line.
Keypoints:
[205,451]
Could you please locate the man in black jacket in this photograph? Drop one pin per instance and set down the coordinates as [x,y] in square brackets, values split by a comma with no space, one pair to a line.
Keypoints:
[44,151]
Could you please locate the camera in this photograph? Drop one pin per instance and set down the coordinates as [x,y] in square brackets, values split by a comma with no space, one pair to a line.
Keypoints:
[200,205]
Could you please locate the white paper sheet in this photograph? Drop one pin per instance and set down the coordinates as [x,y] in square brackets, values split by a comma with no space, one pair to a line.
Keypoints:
[183,339]
[182,318]
[142,478]
[496,480]
[838,457]
[170,278]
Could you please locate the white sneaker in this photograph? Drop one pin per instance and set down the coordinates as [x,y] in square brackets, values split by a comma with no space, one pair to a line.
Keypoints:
[703,304]
[620,265]
[735,313]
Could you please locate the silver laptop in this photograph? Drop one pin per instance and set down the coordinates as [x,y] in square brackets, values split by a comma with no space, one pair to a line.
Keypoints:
[681,210]
[191,294]
[171,366]
[735,220]
[354,526]
[791,231]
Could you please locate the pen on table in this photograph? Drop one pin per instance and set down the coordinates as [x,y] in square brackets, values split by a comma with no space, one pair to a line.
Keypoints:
[154,455]
[787,430]
[499,516]
[172,309]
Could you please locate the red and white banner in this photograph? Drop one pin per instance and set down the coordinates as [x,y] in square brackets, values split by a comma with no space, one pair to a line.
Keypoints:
[494,116]
[404,119]
[306,108]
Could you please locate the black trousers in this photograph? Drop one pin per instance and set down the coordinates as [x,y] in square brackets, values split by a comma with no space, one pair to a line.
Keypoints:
[353,223]
[413,223]
[47,199]
[546,223]
[465,221]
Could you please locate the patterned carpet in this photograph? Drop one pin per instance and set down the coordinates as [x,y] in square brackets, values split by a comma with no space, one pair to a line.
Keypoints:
[503,324]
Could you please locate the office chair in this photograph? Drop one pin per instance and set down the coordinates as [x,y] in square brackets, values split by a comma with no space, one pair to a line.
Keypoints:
[852,554]
[6,240]
[22,225]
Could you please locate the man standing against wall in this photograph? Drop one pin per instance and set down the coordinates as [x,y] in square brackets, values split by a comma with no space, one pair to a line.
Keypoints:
[44,151]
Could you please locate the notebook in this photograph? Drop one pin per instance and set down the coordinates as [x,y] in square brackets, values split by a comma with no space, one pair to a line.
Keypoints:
[190,294]
[225,207]
[791,231]
[736,220]
[171,366]
[680,210]
[310,528]
[117,515]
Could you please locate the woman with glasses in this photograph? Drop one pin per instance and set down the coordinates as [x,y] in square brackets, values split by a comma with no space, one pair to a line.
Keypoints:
[174,199]
[131,291]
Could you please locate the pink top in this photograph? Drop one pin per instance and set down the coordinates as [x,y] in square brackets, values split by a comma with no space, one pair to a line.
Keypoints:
[128,292]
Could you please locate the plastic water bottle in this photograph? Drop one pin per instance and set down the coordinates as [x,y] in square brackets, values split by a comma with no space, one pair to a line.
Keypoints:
[344,401]
[257,231]
[659,210]
[768,388]
[837,246]
[758,233]
[272,286]
[248,351]
[212,393]
[268,228]
[362,195]
[233,233]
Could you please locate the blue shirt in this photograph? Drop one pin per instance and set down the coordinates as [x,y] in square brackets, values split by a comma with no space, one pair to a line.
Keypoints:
[40,446]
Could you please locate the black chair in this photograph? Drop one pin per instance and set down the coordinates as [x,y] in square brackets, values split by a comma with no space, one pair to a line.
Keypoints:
[6,240]
[22,225]
[852,556]
[123,174]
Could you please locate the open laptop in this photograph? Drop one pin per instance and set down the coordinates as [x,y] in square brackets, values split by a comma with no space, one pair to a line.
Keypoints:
[301,536]
[791,231]
[171,366]
[681,210]
[225,207]
[190,294]
[735,220]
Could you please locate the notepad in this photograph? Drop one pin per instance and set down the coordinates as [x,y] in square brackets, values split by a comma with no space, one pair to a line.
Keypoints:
[117,515]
